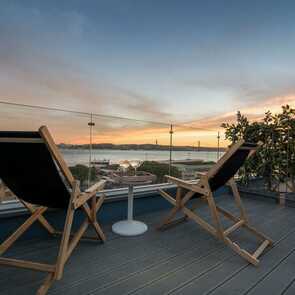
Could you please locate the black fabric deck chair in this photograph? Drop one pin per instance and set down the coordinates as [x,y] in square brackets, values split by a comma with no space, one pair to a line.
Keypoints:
[220,174]
[32,167]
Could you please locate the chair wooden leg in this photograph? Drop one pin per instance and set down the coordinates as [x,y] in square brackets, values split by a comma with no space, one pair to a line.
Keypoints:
[215,216]
[10,240]
[27,264]
[36,215]
[241,252]
[200,221]
[222,234]
[242,221]
[96,205]
[238,200]
[76,238]
[61,260]
[49,280]
[257,233]
[90,214]
[67,244]
[99,231]
[217,230]
[41,218]
[93,208]
[169,220]
[62,255]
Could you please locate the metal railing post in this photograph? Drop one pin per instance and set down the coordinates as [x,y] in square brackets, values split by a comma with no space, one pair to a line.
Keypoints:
[90,124]
[170,148]
[218,145]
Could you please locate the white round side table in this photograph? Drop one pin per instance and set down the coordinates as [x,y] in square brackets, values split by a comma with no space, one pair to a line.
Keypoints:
[131,227]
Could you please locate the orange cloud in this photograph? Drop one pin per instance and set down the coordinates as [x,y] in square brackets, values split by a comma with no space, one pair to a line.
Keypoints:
[73,128]
[253,112]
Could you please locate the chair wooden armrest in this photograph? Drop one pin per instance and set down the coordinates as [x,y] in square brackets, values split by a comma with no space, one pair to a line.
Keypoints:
[89,193]
[96,187]
[177,180]
[189,185]
[200,174]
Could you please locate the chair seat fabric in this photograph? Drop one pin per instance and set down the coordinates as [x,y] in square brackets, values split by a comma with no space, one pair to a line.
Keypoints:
[29,171]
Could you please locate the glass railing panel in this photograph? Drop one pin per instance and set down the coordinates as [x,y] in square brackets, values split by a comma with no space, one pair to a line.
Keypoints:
[95,146]
[196,150]
[122,147]
[287,164]
[68,129]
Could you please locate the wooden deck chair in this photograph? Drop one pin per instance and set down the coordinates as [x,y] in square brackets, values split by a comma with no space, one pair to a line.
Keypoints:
[32,167]
[220,174]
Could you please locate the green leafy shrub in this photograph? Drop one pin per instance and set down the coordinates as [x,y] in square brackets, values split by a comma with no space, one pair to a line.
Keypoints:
[159,169]
[275,160]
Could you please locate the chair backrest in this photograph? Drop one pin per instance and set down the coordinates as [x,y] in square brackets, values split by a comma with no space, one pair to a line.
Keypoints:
[33,169]
[230,163]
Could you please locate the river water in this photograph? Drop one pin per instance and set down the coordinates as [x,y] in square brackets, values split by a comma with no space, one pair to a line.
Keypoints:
[81,156]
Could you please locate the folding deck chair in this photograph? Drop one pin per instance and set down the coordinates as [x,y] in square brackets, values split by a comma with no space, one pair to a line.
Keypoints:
[220,174]
[32,167]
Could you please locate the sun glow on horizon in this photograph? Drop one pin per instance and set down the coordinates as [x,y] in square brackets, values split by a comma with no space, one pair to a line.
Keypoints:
[73,129]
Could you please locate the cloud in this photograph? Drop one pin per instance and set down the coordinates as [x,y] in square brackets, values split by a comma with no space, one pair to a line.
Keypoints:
[43,56]
[40,66]
[246,86]
[254,112]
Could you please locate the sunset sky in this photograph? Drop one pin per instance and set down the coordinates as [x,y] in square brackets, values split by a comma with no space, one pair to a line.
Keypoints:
[186,62]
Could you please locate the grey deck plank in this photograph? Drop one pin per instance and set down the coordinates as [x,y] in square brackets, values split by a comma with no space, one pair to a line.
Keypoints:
[160,262]
[146,272]
[141,278]
[230,267]
[242,280]
[107,253]
[233,262]
[289,290]
[278,279]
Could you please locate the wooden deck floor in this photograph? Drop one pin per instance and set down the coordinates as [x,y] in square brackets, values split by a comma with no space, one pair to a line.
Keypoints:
[182,260]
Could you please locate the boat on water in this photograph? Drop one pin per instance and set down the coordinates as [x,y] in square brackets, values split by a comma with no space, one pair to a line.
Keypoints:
[101,163]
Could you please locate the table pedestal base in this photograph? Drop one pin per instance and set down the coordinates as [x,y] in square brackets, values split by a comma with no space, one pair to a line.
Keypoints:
[129,228]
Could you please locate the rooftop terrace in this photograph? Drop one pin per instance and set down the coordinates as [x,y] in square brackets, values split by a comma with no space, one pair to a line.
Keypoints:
[182,260]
